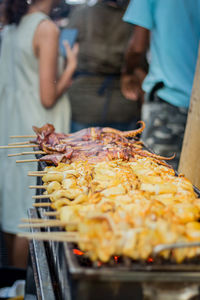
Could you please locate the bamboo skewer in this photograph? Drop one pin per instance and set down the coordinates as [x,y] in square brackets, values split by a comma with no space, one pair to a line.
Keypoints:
[54,236]
[27,153]
[50,223]
[33,152]
[42,204]
[51,213]
[40,221]
[58,234]
[19,143]
[53,233]
[37,187]
[34,220]
[19,146]
[27,160]
[37,173]
[41,196]
[22,136]
[42,173]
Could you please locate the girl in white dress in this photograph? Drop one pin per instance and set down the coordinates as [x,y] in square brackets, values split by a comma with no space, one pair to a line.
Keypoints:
[33,81]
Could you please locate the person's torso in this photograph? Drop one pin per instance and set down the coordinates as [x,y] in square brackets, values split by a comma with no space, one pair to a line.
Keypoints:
[174,49]
[19,81]
[103,38]
[17,57]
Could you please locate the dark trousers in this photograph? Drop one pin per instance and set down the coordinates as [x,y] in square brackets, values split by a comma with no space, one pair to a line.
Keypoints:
[165,126]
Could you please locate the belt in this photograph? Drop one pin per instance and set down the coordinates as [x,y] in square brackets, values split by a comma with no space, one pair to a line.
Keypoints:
[152,95]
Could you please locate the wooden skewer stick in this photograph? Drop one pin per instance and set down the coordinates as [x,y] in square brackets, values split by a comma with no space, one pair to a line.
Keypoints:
[51,213]
[42,204]
[53,236]
[41,196]
[47,222]
[37,187]
[37,173]
[16,154]
[27,160]
[33,152]
[19,146]
[34,220]
[27,153]
[56,223]
[19,143]
[53,233]
[22,136]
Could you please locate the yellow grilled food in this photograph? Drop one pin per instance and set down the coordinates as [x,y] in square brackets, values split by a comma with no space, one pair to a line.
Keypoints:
[125,208]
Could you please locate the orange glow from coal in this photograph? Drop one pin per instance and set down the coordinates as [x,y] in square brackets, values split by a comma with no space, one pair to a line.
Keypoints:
[77,252]
[116,258]
[150,259]
[99,264]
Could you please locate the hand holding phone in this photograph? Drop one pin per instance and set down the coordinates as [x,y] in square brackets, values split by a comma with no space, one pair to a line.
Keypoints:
[69,35]
[72,54]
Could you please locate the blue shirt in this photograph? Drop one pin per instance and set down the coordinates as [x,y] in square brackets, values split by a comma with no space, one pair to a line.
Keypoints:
[175,33]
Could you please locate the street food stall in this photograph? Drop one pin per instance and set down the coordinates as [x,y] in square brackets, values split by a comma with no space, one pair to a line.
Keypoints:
[111,219]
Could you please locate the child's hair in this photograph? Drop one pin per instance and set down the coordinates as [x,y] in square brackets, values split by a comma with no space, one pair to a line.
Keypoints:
[14,10]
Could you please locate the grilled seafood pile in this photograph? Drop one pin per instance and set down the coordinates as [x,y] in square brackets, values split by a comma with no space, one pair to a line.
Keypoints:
[92,145]
[115,197]
[123,207]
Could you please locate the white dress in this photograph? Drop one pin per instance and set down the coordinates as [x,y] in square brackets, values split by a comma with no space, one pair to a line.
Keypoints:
[20,109]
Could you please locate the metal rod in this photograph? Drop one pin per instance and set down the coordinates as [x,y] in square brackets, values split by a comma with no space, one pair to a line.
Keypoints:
[162,247]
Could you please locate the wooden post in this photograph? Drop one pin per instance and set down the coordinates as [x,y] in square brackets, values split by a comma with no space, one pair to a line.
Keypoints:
[190,156]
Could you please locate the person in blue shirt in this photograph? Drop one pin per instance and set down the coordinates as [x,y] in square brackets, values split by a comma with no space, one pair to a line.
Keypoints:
[171,29]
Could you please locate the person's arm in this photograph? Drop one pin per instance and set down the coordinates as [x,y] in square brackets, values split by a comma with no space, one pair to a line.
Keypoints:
[135,65]
[135,56]
[46,49]
[141,14]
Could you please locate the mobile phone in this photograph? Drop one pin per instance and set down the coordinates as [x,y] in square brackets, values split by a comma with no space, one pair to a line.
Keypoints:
[69,35]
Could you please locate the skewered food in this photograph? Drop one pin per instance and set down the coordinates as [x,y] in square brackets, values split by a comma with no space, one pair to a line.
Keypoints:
[116,197]
[91,144]
[125,208]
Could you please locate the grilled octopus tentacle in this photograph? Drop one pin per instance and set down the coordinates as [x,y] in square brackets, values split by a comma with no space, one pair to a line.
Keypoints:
[133,133]
[149,154]
[130,133]
[112,130]
[161,162]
